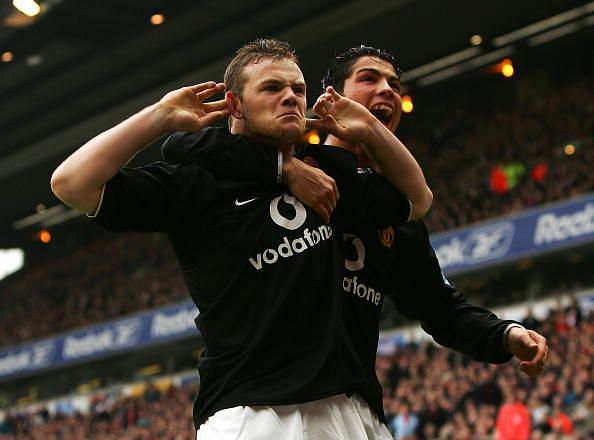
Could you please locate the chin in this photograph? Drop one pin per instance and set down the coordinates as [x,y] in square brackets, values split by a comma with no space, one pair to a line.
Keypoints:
[291,133]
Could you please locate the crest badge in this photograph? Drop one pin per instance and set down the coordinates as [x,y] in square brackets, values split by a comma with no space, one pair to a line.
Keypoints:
[386,236]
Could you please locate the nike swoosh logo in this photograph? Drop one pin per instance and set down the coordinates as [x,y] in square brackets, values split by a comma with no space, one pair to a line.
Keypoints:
[245,202]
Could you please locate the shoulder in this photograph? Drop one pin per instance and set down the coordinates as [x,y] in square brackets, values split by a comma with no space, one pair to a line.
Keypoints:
[414,232]
[179,143]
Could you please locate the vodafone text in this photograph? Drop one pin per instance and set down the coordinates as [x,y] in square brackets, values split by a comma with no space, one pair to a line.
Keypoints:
[367,293]
[354,285]
[287,248]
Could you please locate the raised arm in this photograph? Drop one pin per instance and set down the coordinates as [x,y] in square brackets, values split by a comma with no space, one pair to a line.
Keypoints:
[352,122]
[79,180]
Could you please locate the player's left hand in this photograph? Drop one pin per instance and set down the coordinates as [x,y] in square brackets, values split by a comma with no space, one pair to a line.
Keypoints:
[530,348]
[341,116]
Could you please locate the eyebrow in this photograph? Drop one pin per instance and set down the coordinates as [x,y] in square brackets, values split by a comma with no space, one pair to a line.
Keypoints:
[377,72]
[281,81]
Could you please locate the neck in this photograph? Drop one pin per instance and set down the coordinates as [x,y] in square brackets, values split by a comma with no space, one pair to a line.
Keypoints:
[288,150]
[285,148]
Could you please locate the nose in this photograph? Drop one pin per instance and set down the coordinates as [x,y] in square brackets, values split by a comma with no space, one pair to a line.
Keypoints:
[384,88]
[289,97]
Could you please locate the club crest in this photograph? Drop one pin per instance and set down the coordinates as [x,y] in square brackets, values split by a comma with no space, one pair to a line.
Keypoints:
[386,236]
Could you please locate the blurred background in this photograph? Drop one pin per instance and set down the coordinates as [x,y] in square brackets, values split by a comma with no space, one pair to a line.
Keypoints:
[96,329]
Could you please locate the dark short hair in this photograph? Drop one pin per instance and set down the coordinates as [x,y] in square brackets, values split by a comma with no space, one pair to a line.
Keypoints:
[342,66]
[252,53]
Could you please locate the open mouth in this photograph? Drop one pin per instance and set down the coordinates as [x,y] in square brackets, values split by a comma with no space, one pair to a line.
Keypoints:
[383,112]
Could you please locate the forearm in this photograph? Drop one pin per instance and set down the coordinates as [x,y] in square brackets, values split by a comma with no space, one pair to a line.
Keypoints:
[79,180]
[398,165]
[471,330]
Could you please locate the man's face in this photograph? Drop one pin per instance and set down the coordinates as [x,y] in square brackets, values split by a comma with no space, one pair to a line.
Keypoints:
[374,84]
[272,103]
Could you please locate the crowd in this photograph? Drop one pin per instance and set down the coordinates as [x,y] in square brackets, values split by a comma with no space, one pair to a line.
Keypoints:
[102,280]
[132,272]
[429,393]
[530,136]
[432,393]
[156,415]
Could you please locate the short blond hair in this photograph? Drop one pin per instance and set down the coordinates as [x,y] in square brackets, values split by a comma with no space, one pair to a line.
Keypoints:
[252,53]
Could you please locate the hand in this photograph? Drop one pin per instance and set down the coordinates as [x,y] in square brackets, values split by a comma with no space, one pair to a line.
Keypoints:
[530,348]
[311,186]
[186,110]
[341,117]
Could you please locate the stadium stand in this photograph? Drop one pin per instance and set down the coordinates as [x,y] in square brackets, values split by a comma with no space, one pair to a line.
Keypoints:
[94,283]
[529,136]
[429,393]
[530,142]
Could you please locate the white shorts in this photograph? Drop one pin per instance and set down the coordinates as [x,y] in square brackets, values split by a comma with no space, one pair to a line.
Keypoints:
[333,418]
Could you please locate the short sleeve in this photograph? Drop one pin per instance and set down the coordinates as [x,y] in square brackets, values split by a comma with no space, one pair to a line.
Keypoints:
[155,197]
[383,204]
[226,155]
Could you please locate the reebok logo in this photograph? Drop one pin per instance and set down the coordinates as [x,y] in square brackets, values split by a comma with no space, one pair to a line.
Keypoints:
[552,227]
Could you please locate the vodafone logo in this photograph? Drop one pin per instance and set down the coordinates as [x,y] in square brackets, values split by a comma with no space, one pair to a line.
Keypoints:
[355,285]
[288,223]
[359,262]
[292,217]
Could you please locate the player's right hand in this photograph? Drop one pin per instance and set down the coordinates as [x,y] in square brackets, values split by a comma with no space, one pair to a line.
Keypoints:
[311,186]
[185,109]
[530,348]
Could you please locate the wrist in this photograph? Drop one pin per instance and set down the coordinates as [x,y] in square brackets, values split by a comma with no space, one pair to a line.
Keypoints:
[159,118]
[506,334]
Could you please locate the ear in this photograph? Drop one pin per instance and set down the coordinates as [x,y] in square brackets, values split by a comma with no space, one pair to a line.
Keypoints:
[234,105]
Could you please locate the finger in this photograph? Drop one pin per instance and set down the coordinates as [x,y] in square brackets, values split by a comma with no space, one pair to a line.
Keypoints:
[215,105]
[197,88]
[321,107]
[333,127]
[332,202]
[328,199]
[211,118]
[323,104]
[335,95]
[316,124]
[535,366]
[205,94]
[336,194]
[542,346]
[523,347]
[323,212]
[332,192]
[531,369]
